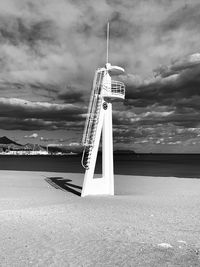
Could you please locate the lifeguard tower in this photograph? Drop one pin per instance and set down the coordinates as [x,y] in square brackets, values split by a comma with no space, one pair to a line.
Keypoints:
[105,90]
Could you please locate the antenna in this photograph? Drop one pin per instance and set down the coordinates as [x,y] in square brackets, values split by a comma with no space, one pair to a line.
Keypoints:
[108,29]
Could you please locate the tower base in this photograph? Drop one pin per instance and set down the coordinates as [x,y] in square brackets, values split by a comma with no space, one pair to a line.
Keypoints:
[98,186]
[104,185]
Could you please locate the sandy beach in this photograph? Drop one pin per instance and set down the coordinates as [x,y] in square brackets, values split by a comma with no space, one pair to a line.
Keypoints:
[151,221]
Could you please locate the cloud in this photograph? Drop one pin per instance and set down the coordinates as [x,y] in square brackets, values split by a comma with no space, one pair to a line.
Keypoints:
[172,97]
[14,107]
[34,135]
[41,44]
[188,62]
[8,123]
[71,94]
[27,115]
[186,17]
[73,144]
[49,51]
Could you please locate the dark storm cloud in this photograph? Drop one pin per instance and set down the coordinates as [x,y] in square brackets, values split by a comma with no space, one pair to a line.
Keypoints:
[180,88]
[71,94]
[185,120]
[177,66]
[11,123]
[167,105]
[38,115]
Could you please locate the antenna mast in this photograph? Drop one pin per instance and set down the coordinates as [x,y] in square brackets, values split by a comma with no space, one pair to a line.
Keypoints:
[108,29]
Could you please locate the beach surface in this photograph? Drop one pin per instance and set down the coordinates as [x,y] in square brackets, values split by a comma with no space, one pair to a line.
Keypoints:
[151,221]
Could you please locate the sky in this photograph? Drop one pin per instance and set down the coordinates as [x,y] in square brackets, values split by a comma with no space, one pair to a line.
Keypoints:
[49,51]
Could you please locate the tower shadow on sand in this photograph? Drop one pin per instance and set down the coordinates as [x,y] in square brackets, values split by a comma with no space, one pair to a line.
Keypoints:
[64,184]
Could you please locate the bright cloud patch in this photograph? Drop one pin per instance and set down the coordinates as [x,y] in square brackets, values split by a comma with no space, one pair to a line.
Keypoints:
[34,135]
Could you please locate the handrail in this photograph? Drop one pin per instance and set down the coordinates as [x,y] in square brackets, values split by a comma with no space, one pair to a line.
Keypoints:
[92,118]
[89,108]
[117,82]
[82,159]
[117,87]
[96,90]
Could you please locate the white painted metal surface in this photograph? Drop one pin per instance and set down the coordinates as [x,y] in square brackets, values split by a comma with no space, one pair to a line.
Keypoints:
[99,121]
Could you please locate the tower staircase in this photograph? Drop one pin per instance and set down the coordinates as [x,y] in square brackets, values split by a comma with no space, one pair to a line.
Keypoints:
[92,119]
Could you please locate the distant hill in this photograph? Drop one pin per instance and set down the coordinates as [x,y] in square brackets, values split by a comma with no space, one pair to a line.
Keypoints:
[6,141]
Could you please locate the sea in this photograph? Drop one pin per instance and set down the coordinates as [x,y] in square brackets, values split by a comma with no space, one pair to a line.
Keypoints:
[166,165]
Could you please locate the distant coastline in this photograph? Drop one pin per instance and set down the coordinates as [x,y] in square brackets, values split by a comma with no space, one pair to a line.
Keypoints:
[10,147]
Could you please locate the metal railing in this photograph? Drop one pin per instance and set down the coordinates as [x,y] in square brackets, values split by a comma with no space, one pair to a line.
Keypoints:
[93,108]
[92,119]
[117,88]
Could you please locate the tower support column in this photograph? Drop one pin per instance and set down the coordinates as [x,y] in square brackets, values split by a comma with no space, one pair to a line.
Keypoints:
[105,184]
[107,150]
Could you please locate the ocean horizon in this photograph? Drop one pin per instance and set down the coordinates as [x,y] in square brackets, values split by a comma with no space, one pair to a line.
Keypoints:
[165,165]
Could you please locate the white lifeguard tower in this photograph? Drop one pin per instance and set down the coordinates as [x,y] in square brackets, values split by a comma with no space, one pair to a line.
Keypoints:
[105,90]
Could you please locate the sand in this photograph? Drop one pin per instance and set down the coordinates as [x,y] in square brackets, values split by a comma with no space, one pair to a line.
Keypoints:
[149,222]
